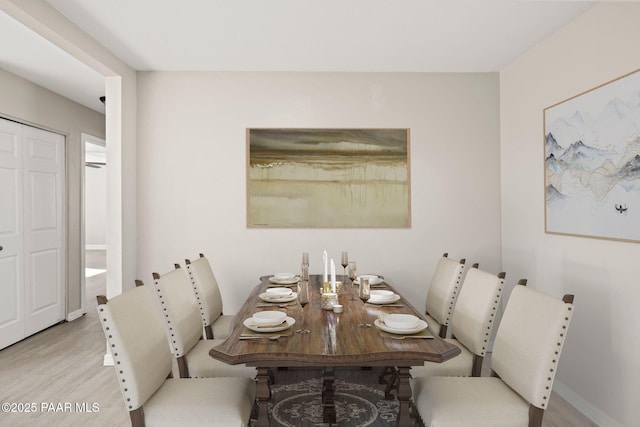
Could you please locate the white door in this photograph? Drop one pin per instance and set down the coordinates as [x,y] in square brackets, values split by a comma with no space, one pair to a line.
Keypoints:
[11,260]
[43,178]
[31,231]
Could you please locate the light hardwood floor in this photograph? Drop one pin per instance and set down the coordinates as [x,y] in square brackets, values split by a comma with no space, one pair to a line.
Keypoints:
[61,367]
[60,371]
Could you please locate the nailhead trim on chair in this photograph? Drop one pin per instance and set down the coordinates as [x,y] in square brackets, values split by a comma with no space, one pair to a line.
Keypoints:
[496,302]
[554,361]
[115,356]
[454,295]
[174,350]
[195,289]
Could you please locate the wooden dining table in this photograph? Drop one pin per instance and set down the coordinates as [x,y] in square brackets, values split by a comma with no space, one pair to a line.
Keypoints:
[322,338]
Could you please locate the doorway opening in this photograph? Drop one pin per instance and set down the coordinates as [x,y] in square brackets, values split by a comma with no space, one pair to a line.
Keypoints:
[94,229]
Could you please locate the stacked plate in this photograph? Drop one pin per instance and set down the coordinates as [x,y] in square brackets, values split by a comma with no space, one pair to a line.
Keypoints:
[382,297]
[373,279]
[278,295]
[269,318]
[269,321]
[284,278]
[402,324]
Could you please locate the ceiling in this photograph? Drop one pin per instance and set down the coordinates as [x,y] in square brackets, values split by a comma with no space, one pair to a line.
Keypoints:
[286,35]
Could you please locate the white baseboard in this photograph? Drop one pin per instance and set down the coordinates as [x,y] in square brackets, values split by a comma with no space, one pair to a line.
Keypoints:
[108,360]
[588,410]
[100,247]
[75,315]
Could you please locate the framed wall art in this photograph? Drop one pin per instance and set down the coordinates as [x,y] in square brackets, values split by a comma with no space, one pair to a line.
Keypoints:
[328,178]
[592,162]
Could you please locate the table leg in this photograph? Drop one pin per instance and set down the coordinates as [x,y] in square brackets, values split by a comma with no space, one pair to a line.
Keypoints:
[263,395]
[328,403]
[404,396]
[388,377]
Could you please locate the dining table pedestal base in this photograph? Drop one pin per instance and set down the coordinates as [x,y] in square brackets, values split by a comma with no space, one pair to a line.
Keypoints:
[403,393]
[263,395]
[388,377]
[328,402]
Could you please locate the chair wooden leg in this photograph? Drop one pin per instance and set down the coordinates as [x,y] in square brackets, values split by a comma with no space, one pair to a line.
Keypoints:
[535,416]
[137,417]
[476,369]
[183,369]
[443,331]
[208,332]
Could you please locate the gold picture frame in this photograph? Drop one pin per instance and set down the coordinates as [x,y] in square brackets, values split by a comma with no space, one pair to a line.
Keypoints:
[328,178]
[592,162]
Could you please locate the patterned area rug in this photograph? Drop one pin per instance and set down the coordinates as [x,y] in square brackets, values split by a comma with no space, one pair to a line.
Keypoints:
[359,398]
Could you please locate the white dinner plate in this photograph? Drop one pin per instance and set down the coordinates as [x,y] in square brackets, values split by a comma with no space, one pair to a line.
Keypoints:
[421,327]
[272,298]
[288,322]
[373,279]
[279,291]
[393,299]
[286,281]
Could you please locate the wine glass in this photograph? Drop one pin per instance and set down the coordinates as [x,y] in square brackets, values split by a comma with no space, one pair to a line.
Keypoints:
[364,289]
[303,293]
[353,274]
[345,262]
[303,299]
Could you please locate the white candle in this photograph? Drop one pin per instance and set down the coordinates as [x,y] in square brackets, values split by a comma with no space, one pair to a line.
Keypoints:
[324,265]
[333,276]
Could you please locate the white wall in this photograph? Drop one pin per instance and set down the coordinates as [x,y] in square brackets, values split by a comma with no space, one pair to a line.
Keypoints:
[192,171]
[599,371]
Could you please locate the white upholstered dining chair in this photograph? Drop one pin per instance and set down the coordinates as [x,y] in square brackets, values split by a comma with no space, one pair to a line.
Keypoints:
[184,329]
[216,324]
[441,299]
[473,320]
[524,363]
[136,337]
[442,294]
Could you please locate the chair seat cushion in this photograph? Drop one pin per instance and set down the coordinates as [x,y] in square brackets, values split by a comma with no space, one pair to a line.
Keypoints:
[222,326]
[434,325]
[203,401]
[468,401]
[459,366]
[202,365]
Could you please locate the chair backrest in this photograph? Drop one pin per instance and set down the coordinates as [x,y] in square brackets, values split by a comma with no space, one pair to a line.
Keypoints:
[180,310]
[206,288]
[475,311]
[529,341]
[443,290]
[136,338]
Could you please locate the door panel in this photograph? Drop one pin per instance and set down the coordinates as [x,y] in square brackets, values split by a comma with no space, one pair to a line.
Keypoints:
[44,193]
[43,266]
[32,230]
[43,228]
[11,261]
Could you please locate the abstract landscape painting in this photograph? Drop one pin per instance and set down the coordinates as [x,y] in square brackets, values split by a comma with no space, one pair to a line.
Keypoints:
[328,178]
[592,162]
